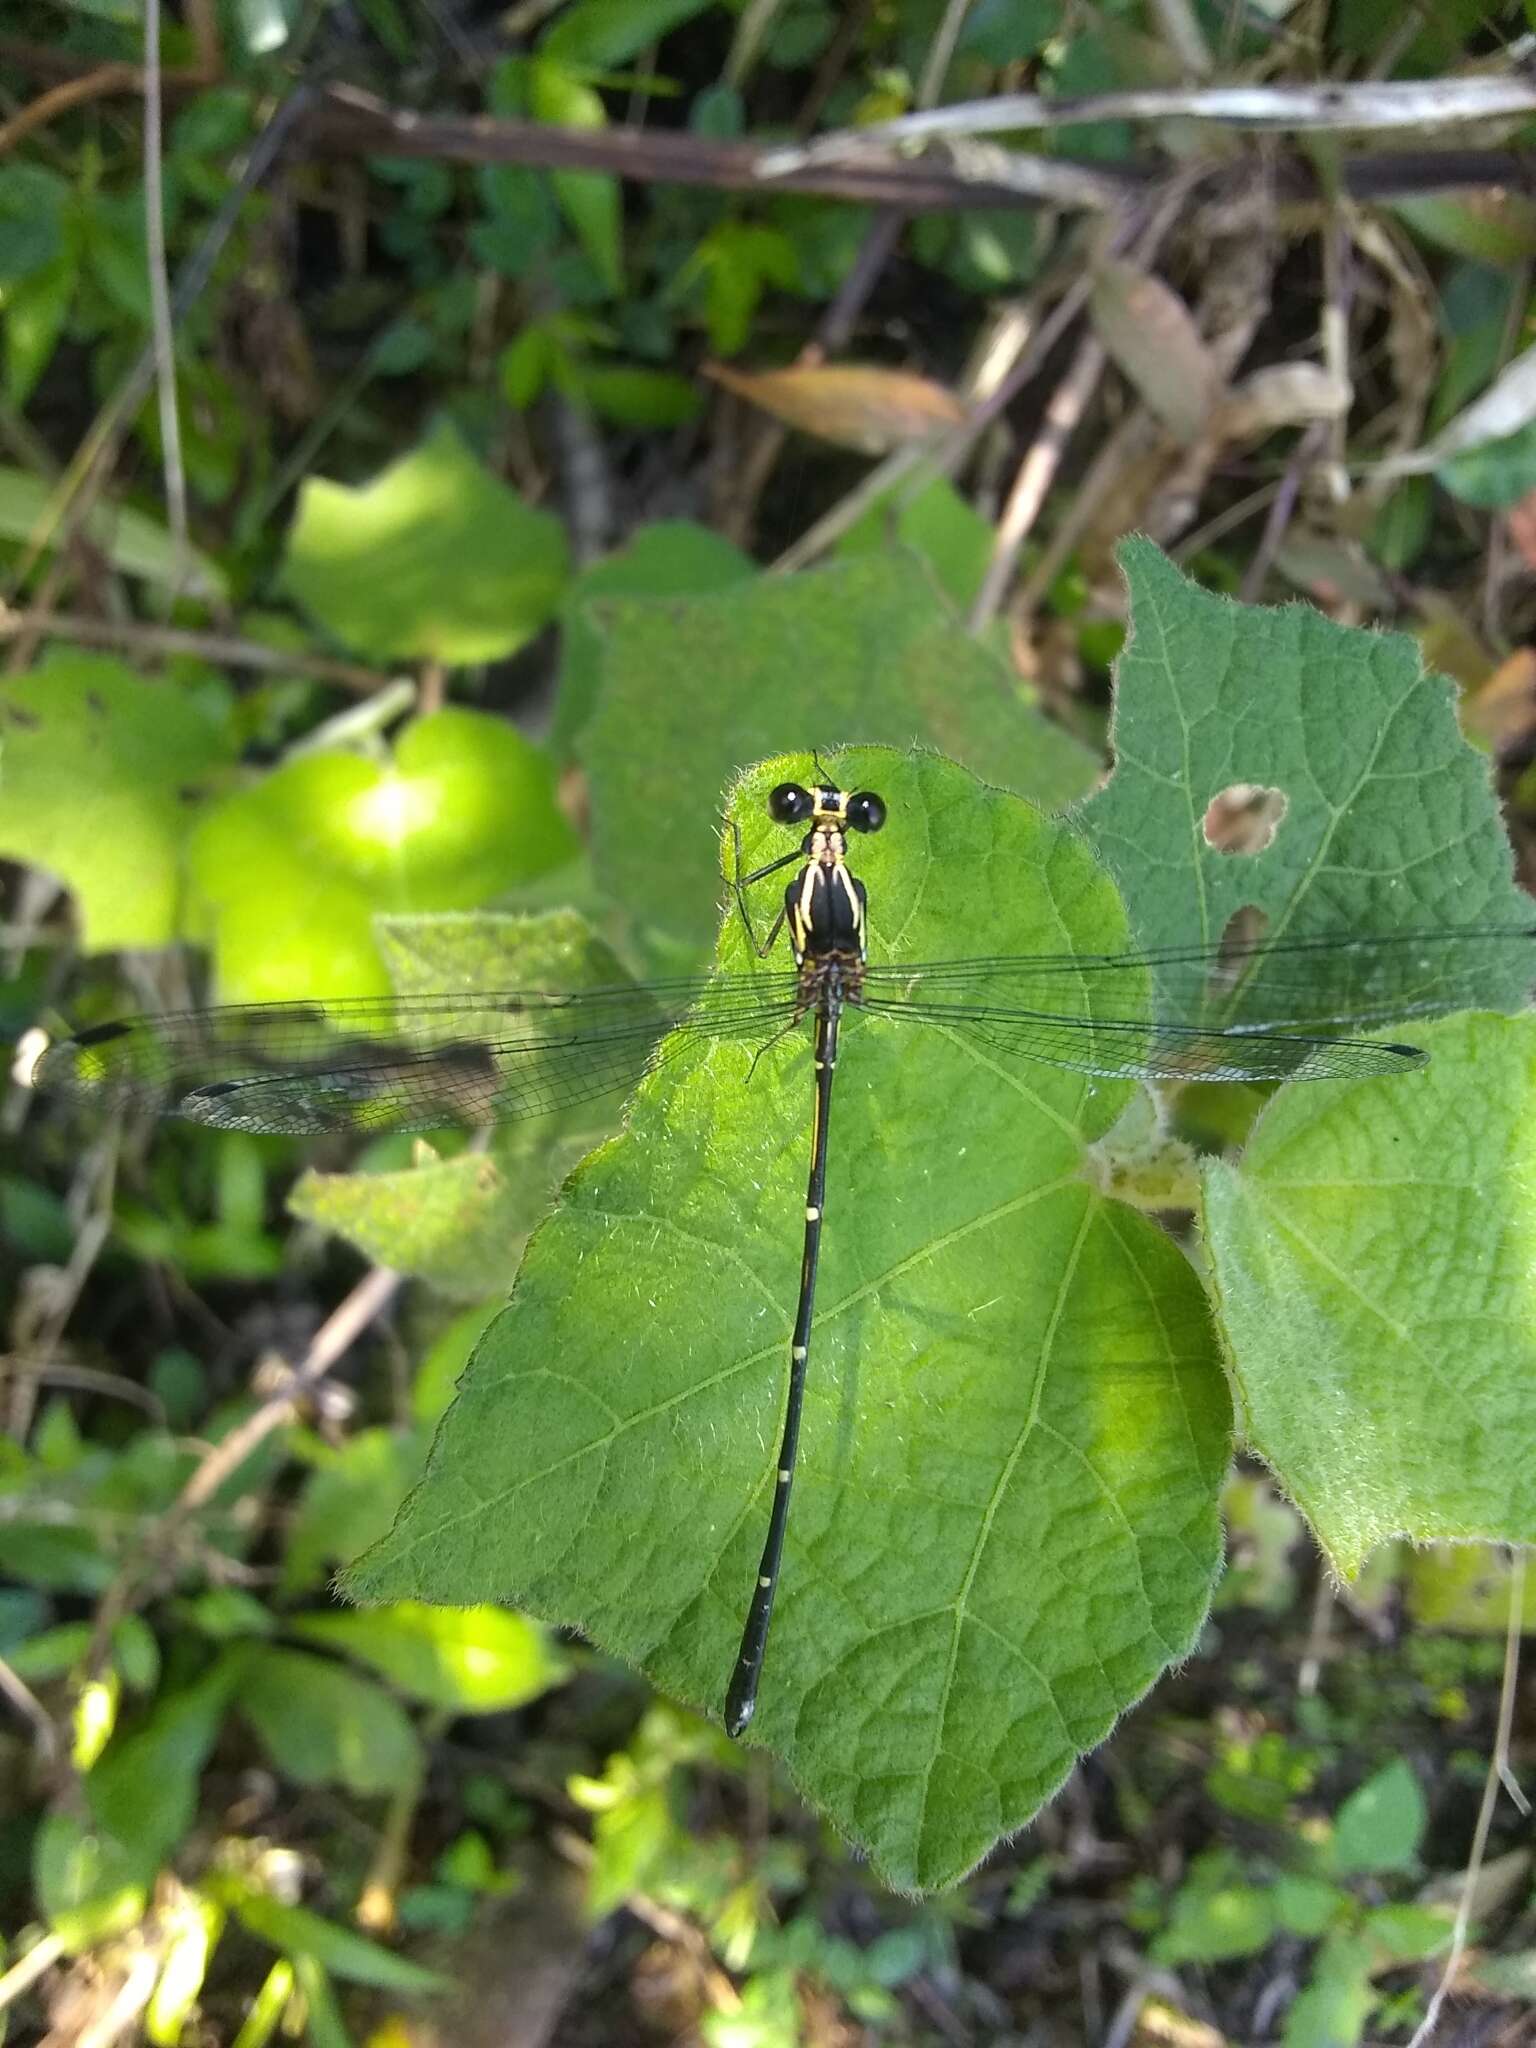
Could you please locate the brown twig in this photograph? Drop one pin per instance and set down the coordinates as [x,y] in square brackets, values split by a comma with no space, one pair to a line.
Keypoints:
[97,84]
[136,637]
[345,1324]
[32,1710]
[1069,401]
[1499,1773]
[1282,506]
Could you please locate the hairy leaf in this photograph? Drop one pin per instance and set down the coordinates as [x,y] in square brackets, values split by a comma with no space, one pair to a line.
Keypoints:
[696,687]
[1005,1520]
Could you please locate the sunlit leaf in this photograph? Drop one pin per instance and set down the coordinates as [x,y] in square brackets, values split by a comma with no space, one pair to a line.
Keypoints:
[434,559]
[471,1660]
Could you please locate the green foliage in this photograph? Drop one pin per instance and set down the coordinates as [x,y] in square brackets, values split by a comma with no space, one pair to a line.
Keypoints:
[693,686]
[100,776]
[321,1724]
[433,559]
[936,523]
[468,1660]
[672,558]
[1230,1905]
[1390,821]
[132,542]
[1354,1207]
[304,1936]
[527,1458]
[1379,1827]
[291,872]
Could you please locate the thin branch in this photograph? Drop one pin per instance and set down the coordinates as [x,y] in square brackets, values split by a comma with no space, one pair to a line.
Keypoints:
[23,1974]
[340,1330]
[346,122]
[1298,109]
[69,504]
[98,84]
[1307,450]
[1036,473]
[31,1709]
[352,122]
[136,637]
[1499,1773]
[162,334]
[940,52]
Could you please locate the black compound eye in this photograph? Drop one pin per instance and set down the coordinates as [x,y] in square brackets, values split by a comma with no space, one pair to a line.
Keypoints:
[789,804]
[866,811]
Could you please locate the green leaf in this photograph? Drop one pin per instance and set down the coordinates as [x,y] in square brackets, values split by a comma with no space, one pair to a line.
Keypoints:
[1390,821]
[434,559]
[292,872]
[144,1790]
[637,397]
[324,1725]
[133,543]
[1408,1934]
[271,2001]
[1333,2010]
[938,524]
[595,33]
[1392,1396]
[471,1660]
[1465,1587]
[670,558]
[88,1885]
[1495,473]
[1306,1905]
[1212,1926]
[1005,1518]
[324,2026]
[35,315]
[101,774]
[1497,228]
[458,1223]
[32,205]
[348,1503]
[1380,1826]
[300,1933]
[693,687]
[589,199]
[439,1371]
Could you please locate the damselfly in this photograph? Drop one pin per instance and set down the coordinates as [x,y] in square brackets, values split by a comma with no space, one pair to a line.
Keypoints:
[1269,1012]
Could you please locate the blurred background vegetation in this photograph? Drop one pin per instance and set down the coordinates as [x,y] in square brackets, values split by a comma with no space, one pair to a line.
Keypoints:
[439,446]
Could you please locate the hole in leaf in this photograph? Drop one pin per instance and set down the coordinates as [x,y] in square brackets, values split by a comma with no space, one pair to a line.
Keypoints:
[1243,931]
[1244,817]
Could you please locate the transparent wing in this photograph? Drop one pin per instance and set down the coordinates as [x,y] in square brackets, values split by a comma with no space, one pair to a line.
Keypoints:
[1131,1048]
[1279,987]
[401,1063]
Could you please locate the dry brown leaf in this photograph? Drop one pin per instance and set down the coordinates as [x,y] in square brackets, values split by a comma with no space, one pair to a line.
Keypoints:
[1521,521]
[1503,709]
[1152,336]
[856,405]
[1284,395]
